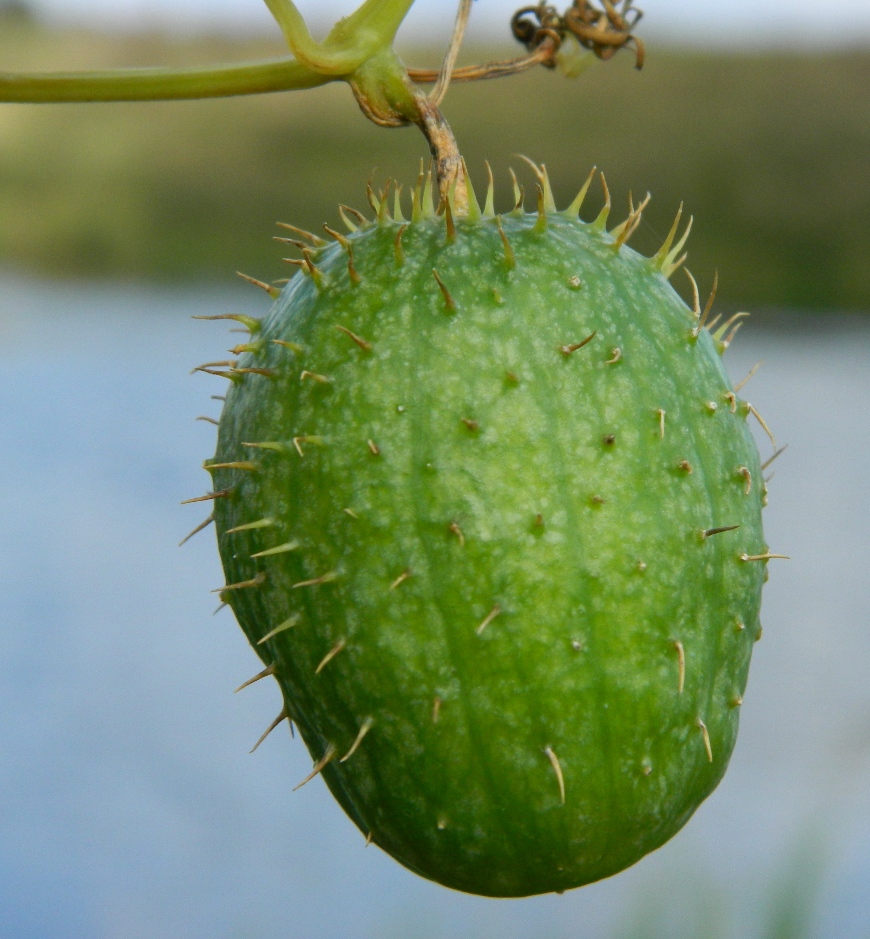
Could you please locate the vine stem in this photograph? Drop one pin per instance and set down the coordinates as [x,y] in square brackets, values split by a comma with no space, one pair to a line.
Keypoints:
[158,84]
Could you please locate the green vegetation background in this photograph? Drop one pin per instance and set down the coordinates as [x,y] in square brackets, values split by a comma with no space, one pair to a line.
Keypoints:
[770,151]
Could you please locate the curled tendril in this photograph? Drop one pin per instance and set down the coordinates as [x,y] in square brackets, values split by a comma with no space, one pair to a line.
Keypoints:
[603,31]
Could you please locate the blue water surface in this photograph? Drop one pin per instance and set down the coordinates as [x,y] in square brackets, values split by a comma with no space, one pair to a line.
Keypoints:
[129,806]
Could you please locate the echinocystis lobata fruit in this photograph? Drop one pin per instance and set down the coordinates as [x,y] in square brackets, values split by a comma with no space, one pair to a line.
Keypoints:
[490,512]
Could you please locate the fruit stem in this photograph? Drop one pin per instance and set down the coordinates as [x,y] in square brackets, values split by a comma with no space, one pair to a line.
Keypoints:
[445,154]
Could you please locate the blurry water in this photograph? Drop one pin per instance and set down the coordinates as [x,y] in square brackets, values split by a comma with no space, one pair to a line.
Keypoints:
[129,807]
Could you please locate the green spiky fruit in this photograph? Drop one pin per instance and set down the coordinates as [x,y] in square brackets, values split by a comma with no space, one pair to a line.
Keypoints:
[489,511]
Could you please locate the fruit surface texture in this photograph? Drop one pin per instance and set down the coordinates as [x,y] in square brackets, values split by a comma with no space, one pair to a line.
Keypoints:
[489,510]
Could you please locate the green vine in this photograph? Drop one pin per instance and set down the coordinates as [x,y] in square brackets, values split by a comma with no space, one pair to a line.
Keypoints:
[358,51]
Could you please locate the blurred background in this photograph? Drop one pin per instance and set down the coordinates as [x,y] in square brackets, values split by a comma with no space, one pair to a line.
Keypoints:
[128,804]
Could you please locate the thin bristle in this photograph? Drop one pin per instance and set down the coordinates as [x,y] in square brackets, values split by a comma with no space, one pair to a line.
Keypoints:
[658,259]
[518,192]
[417,197]
[384,204]
[364,729]
[573,210]
[489,208]
[252,526]
[448,217]
[343,211]
[601,221]
[509,255]
[287,624]
[355,278]
[720,332]
[269,670]
[543,179]
[710,301]
[197,530]
[448,299]
[541,223]
[669,264]
[249,322]
[341,239]
[397,204]
[279,549]
[696,297]
[374,202]
[474,213]
[319,766]
[314,239]
[273,292]
[557,769]
[630,225]
[428,204]
[333,652]
[283,716]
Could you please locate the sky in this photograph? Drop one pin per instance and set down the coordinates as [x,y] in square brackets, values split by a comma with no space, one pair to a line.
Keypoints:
[830,22]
